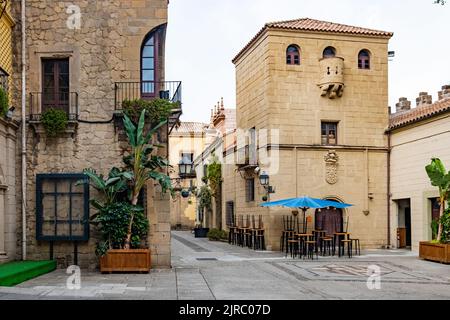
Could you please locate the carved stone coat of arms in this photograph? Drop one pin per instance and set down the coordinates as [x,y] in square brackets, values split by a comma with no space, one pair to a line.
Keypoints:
[331,167]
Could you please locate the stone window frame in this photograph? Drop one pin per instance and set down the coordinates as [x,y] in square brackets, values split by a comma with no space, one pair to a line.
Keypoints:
[328,123]
[329,55]
[291,57]
[250,190]
[367,65]
[39,53]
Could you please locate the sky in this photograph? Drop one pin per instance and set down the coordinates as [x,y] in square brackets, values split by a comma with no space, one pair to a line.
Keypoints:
[203,36]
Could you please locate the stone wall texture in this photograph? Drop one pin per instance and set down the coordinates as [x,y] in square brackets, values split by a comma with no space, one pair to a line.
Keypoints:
[7,190]
[106,49]
[287,100]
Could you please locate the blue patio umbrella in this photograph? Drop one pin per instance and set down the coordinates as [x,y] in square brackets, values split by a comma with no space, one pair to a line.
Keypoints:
[306,203]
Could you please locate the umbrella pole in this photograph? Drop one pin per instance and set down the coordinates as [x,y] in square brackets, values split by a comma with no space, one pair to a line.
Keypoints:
[304,220]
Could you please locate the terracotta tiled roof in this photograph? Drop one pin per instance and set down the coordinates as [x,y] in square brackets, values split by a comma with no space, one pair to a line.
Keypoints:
[190,127]
[401,119]
[307,24]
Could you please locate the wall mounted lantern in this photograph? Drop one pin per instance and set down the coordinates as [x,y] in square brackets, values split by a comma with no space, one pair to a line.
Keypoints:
[264,180]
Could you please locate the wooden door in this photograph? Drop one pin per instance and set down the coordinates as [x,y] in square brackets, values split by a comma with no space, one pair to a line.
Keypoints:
[329,220]
[55,84]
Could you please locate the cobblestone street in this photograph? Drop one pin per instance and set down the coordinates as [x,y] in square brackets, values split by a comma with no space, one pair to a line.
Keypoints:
[216,270]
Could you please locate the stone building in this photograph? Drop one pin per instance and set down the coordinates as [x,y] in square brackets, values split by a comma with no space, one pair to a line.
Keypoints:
[8,128]
[186,142]
[85,58]
[415,136]
[321,91]
[221,135]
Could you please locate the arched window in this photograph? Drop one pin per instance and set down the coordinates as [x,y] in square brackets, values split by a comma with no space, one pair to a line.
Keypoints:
[329,52]
[148,66]
[364,59]
[293,55]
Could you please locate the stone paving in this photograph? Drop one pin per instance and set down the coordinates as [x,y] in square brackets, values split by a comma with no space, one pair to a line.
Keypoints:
[204,270]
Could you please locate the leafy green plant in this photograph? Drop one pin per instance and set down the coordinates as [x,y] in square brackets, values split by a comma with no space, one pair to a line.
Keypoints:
[157,110]
[109,187]
[440,178]
[4,102]
[217,234]
[205,197]
[112,221]
[214,175]
[54,121]
[141,164]
[445,222]
[434,228]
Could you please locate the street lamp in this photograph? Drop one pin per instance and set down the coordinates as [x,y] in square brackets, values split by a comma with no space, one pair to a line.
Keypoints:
[185,168]
[264,180]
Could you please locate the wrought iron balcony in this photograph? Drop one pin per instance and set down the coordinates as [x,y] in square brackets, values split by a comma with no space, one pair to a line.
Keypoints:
[149,90]
[41,102]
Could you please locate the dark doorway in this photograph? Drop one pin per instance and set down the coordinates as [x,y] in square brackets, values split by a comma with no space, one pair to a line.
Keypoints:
[408,226]
[404,223]
[329,220]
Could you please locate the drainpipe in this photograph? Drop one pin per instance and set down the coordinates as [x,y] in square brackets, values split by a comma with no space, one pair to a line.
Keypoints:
[24,140]
[367,178]
[389,191]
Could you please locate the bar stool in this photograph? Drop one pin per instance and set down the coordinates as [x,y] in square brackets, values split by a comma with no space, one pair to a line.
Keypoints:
[232,231]
[357,246]
[326,242]
[347,242]
[259,241]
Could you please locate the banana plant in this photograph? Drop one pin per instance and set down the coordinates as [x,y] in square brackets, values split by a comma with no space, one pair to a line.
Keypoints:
[142,164]
[110,186]
[440,178]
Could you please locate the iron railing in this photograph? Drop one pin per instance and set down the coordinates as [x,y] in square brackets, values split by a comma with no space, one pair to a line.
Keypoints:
[41,102]
[169,90]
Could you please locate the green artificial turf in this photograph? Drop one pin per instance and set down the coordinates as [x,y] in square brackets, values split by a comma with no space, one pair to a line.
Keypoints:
[16,272]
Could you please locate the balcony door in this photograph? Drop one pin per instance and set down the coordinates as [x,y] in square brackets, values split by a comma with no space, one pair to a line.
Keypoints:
[55,84]
[148,67]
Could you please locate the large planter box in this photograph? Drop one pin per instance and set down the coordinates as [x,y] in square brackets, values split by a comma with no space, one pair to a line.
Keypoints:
[435,252]
[120,260]
[201,232]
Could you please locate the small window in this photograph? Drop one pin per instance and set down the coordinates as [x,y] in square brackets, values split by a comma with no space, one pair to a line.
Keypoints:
[230,214]
[187,158]
[62,207]
[364,59]
[329,133]
[293,55]
[329,52]
[249,190]
[4,79]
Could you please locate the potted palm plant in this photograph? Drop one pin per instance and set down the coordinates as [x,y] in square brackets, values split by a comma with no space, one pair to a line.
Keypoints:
[204,205]
[439,249]
[120,219]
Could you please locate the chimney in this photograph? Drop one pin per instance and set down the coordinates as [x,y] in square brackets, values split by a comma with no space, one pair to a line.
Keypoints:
[403,105]
[445,93]
[424,99]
